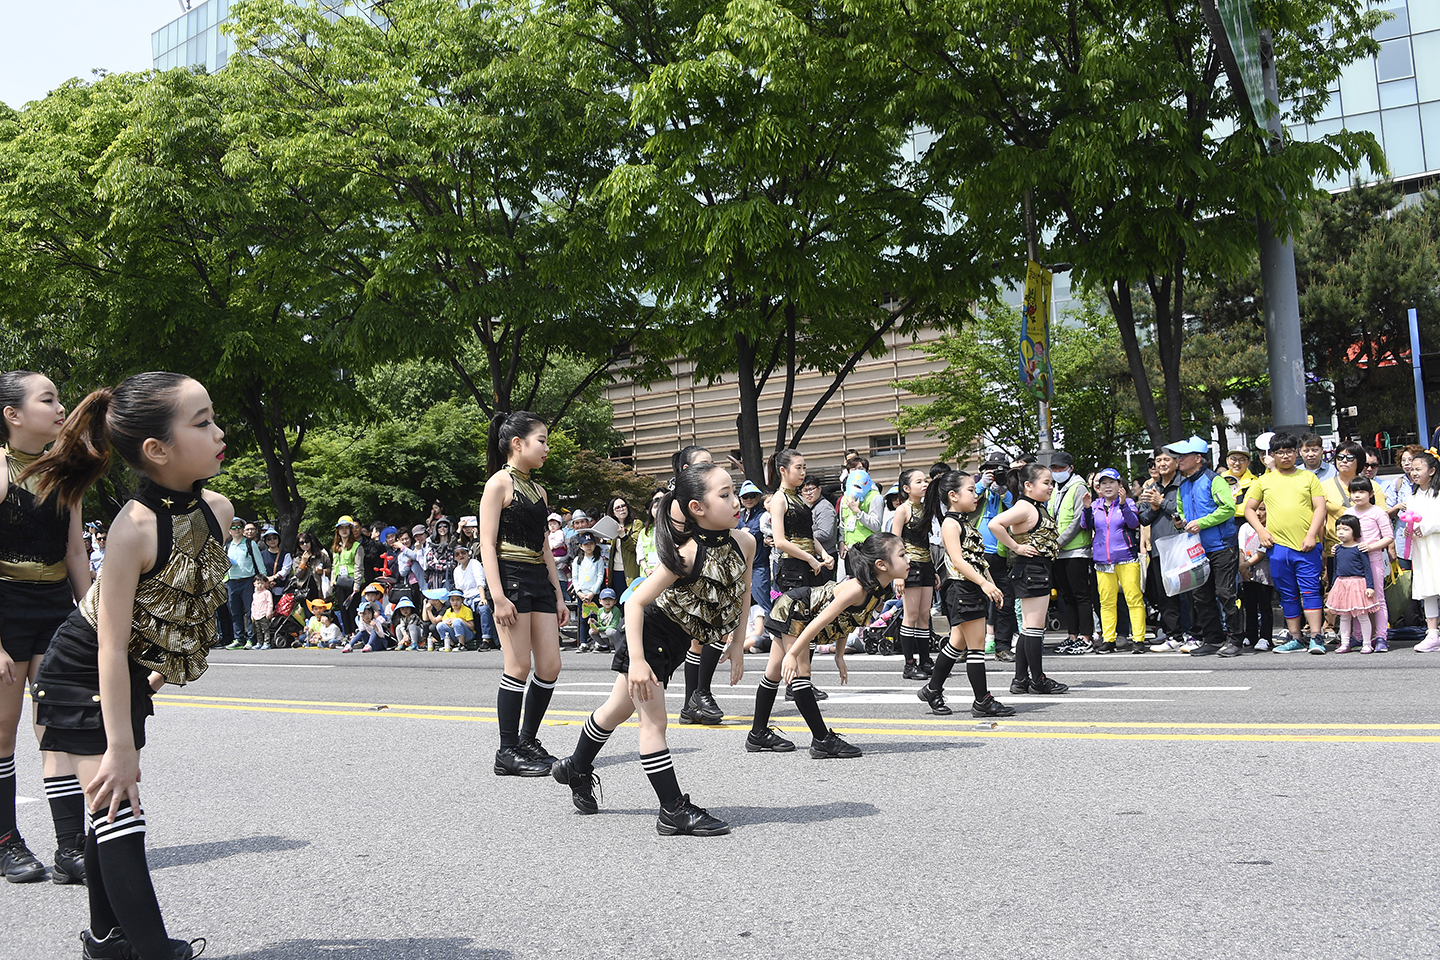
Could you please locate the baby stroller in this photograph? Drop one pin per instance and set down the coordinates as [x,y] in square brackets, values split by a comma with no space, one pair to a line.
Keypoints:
[882,635]
[285,629]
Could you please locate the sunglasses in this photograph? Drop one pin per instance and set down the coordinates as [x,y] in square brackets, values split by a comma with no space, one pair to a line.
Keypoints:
[1349,457]
[101,538]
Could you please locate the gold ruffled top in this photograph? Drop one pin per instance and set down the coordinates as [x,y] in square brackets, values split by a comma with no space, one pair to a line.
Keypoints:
[173,624]
[709,602]
[799,607]
[972,548]
[1043,535]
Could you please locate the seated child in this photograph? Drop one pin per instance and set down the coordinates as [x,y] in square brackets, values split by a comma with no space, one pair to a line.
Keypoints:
[369,632]
[607,627]
[457,625]
[330,633]
[409,630]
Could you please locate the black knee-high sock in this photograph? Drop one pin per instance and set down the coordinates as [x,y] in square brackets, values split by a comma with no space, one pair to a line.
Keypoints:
[1034,652]
[661,771]
[907,644]
[592,738]
[1022,658]
[7,796]
[67,809]
[975,671]
[537,701]
[809,709]
[507,706]
[764,703]
[692,674]
[709,660]
[126,877]
[922,643]
[102,915]
[943,665]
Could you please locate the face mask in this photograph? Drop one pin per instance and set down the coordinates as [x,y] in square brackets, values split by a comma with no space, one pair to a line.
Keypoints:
[1060,476]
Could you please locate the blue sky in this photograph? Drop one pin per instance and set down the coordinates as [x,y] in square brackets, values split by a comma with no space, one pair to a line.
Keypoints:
[43,43]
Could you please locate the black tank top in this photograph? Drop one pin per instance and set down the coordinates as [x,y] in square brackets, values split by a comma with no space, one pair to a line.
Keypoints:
[916,536]
[522,523]
[33,535]
[799,520]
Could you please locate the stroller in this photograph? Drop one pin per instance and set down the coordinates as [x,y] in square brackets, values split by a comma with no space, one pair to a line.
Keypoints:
[882,635]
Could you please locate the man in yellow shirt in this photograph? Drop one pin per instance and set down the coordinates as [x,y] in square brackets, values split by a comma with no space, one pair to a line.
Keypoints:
[1238,462]
[1292,532]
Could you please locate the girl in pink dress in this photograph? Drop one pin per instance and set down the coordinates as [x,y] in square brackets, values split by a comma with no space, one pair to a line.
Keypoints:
[1376,536]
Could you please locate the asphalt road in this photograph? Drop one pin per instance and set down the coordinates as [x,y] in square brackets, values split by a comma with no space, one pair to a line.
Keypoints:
[1271,806]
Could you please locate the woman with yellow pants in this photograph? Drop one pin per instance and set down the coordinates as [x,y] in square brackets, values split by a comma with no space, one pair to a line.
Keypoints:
[1116,549]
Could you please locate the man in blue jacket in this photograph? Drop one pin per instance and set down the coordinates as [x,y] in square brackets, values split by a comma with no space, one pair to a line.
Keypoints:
[994,500]
[1207,508]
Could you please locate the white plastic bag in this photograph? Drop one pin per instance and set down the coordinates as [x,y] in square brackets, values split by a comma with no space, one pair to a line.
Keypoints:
[1183,564]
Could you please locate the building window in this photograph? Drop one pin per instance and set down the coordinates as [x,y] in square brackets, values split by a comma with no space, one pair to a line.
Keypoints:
[1393,61]
[889,445]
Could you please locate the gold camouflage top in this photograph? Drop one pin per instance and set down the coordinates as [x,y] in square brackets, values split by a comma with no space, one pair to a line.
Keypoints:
[173,624]
[709,602]
[1043,535]
[972,549]
[797,608]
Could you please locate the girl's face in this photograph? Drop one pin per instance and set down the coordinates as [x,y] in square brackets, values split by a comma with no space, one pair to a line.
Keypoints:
[894,567]
[197,444]
[963,499]
[621,510]
[1041,487]
[39,416]
[1344,534]
[699,456]
[529,453]
[404,539]
[347,533]
[455,602]
[916,483]
[1420,472]
[1109,488]
[794,473]
[1362,498]
[721,508]
[554,525]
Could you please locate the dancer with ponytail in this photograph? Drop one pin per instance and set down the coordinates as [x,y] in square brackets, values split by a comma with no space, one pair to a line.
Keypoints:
[149,619]
[41,577]
[808,616]
[522,588]
[699,593]
[1028,531]
[699,705]
[913,526]
[966,596]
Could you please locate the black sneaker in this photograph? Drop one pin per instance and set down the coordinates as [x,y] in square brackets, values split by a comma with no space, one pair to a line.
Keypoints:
[1105,646]
[1047,687]
[582,785]
[17,863]
[990,707]
[913,672]
[704,707]
[1020,685]
[113,947]
[831,747]
[531,749]
[1205,650]
[187,949]
[936,699]
[1139,647]
[819,694]
[1004,654]
[768,740]
[510,762]
[687,712]
[686,819]
[1230,650]
[69,865]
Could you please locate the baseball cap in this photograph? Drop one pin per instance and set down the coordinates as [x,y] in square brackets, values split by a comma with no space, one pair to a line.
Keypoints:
[236,523]
[1110,473]
[371,586]
[1062,459]
[1191,444]
[345,521]
[748,488]
[607,594]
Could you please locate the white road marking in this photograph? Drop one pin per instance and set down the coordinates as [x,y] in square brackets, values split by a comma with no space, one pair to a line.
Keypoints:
[280,666]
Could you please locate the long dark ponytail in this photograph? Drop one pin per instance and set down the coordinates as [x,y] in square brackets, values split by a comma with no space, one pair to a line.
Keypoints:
[778,461]
[937,495]
[505,429]
[860,558]
[670,536]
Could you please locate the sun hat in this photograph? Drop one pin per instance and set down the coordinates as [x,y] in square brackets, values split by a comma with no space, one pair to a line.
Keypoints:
[554,516]
[372,586]
[387,533]
[318,606]
[269,531]
[579,515]
[418,529]
[345,521]
[405,603]
[455,593]
[748,488]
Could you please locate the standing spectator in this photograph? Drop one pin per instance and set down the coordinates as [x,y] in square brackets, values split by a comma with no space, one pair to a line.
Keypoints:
[588,580]
[559,550]
[824,520]
[646,553]
[277,564]
[1312,457]
[410,564]
[345,549]
[1072,566]
[862,508]
[1397,491]
[1159,509]
[752,515]
[1238,462]
[1256,587]
[1292,531]
[1377,536]
[245,565]
[1207,507]
[1115,550]
[440,557]
[467,535]
[97,553]
[262,605]
[621,561]
[310,569]
[995,499]
[1424,504]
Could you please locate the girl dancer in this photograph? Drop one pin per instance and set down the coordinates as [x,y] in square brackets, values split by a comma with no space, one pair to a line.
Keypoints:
[152,608]
[1028,531]
[699,705]
[807,616]
[40,571]
[911,525]
[966,598]
[699,593]
[522,588]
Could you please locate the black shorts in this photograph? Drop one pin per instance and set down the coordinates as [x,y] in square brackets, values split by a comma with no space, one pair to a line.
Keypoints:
[797,573]
[1030,577]
[30,613]
[67,693]
[922,574]
[962,601]
[666,646]
[527,585]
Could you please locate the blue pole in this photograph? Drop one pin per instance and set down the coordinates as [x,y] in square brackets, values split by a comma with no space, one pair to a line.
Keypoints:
[1424,437]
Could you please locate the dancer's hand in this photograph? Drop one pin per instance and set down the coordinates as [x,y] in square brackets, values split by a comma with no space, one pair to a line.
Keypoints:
[840,663]
[789,666]
[642,682]
[7,668]
[505,613]
[562,613]
[993,593]
[737,662]
[117,779]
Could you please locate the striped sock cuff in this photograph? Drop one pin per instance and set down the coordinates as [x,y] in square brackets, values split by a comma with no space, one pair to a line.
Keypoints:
[545,684]
[654,763]
[769,684]
[1032,632]
[801,683]
[7,766]
[692,657]
[952,653]
[596,732]
[66,786]
[508,682]
[126,823]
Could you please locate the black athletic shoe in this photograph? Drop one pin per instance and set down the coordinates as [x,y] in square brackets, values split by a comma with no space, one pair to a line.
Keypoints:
[936,699]
[1104,646]
[767,740]
[819,694]
[704,707]
[69,865]
[913,672]
[833,748]
[17,863]
[1139,647]
[113,947]
[686,819]
[687,712]
[1230,650]
[1004,654]
[1047,687]
[1205,650]
[510,762]
[187,949]
[1020,685]
[990,707]
[531,749]
[582,785]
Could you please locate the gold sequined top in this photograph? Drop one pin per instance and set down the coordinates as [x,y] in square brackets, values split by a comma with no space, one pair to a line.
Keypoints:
[797,608]
[709,602]
[799,522]
[915,534]
[522,533]
[1043,535]
[972,549]
[173,624]
[34,536]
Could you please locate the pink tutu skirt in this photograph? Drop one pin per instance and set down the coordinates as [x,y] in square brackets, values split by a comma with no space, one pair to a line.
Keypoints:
[1348,596]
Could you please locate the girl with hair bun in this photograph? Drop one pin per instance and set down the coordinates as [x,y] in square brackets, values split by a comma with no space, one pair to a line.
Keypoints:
[522,588]
[149,619]
[41,577]
[699,593]
[911,523]
[1028,531]
[699,704]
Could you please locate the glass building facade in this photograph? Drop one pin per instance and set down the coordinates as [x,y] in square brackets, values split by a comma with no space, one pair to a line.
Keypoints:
[194,39]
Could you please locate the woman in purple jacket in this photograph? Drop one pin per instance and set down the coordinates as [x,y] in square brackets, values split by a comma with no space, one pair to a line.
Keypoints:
[1116,524]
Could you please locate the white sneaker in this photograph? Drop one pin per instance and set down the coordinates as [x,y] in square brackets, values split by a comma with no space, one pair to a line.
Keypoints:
[1169,646]
[1430,644]
[1262,645]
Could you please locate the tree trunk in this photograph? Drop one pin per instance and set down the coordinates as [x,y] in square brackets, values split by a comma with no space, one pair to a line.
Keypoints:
[279,468]
[1123,307]
[782,423]
[747,423]
[1170,321]
[1217,413]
